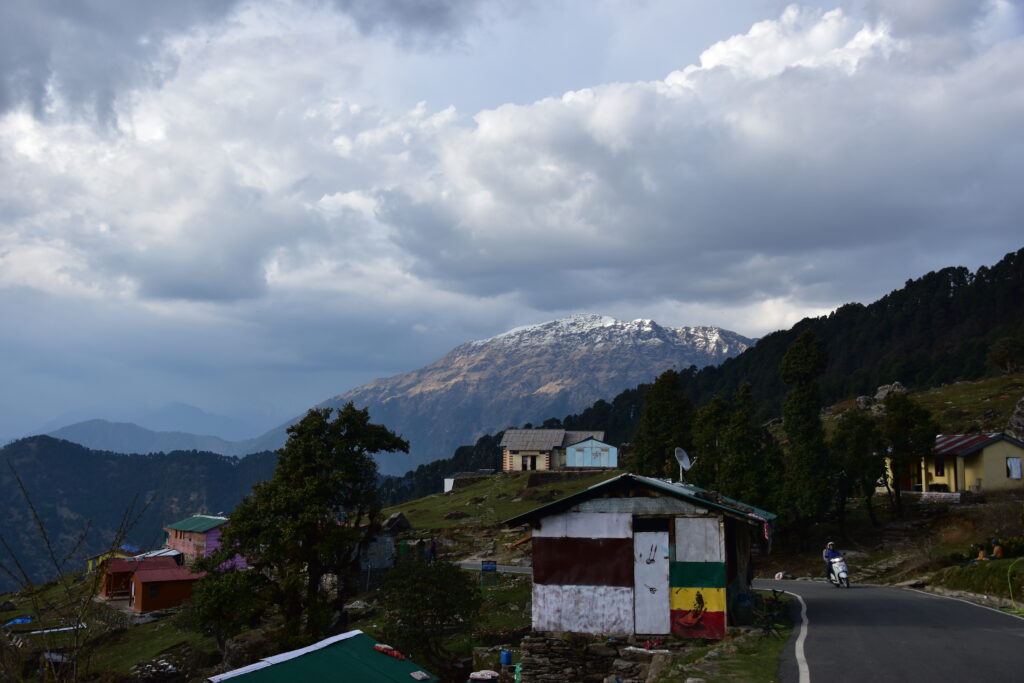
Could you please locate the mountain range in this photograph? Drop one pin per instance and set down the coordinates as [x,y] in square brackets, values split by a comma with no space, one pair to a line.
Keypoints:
[522,375]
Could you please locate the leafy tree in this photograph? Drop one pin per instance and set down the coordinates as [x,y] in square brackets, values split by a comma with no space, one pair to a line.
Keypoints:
[856,445]
[311,519]
[908,431]
[425,604]
[226,603]
[1007,354]
[807,466]
[665,423]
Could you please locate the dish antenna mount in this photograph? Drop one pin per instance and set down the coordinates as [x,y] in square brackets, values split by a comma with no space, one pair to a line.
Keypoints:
[683,458]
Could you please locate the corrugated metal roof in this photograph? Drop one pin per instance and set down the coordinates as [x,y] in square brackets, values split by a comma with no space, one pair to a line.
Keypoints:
[689,492]
[198,523]
[545,439]
[345,657]
[129,565]
[962,444]
[532,439]
[575,437]
[167,574]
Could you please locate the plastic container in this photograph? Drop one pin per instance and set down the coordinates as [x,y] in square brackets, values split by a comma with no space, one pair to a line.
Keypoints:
[506,658]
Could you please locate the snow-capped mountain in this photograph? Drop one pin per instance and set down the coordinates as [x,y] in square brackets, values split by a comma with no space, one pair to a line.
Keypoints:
[529,374]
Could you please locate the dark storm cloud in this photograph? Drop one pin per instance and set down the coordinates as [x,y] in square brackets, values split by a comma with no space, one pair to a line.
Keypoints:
[88,51]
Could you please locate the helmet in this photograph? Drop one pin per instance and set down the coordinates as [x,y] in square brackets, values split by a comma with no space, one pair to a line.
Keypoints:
[830,544]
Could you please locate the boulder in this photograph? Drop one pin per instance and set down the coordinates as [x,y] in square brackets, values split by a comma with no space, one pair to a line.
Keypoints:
[888,389]
[396,523]
[865,402]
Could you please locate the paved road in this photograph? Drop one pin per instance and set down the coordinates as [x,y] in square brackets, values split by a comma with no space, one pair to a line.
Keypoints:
[874,633]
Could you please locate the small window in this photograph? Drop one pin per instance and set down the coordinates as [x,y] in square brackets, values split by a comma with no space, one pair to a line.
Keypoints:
[940,467]
[154,590]
[1013,468]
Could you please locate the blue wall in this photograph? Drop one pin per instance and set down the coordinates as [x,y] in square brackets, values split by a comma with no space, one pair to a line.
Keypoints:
[591,453]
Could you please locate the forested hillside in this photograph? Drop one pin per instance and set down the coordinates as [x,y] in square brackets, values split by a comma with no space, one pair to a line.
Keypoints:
[946,326]
[78,491]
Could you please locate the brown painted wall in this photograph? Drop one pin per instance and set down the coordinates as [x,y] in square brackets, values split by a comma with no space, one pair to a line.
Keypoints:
[583,561]
[168,594]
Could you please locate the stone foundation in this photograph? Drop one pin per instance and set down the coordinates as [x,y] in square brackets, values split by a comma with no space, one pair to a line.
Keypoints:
[551,658]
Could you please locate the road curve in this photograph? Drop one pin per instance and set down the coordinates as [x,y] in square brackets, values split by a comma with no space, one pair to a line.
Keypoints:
[877,633]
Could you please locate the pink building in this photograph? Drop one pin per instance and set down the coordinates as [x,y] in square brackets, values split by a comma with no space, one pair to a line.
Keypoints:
[197,537]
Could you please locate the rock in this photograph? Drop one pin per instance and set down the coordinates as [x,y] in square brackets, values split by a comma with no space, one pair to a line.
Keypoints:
[396,523]
[865,402]
[246,648]
[912,583]
[695,680]
[1015,427]
[660,663]
[888,389]
[357,604]
[455,514]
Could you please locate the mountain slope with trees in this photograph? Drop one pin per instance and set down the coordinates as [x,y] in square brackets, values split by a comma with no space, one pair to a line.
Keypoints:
[81,496]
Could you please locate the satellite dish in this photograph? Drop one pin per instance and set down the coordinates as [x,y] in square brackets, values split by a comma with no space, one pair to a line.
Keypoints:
[684,464]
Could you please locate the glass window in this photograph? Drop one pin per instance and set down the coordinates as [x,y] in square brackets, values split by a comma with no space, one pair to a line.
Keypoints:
[940,467]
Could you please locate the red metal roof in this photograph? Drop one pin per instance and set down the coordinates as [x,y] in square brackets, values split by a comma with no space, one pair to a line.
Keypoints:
[176,574]
[963,444]
[127,566]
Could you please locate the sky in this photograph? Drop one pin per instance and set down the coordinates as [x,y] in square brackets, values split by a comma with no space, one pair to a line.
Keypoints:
[250,207]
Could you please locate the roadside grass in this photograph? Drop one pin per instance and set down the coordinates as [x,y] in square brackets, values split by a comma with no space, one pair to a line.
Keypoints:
[752,658]
[992,577]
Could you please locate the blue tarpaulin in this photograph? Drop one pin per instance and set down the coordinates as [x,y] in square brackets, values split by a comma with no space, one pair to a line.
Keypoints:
[19,620]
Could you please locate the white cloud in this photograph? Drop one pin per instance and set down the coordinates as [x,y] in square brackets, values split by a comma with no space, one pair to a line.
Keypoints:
[253,168]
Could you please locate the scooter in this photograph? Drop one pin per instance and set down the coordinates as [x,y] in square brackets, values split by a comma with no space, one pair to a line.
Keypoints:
[839,574]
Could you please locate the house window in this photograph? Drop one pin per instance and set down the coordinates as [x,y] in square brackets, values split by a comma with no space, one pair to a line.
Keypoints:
[940,467]
[1013,468]
[154,590]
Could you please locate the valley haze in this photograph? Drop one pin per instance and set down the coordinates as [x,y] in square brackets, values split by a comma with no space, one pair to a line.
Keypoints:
[248,207]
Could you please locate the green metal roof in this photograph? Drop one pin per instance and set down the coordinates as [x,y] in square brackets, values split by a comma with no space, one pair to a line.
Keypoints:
[198,523]
[689,492]
[346,657]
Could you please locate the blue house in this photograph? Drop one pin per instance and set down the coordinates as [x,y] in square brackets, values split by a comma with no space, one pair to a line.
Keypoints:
[591,453]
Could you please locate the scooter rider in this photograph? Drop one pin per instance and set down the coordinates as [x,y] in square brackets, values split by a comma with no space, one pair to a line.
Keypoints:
[826,555]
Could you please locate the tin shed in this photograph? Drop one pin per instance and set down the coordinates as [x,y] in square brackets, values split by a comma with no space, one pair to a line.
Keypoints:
[640,555]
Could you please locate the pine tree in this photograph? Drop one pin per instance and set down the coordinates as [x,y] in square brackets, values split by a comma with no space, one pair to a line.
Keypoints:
[665,424]
[806,482]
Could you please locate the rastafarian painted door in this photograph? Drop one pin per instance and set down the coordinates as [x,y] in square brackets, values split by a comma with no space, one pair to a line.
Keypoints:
[651,591]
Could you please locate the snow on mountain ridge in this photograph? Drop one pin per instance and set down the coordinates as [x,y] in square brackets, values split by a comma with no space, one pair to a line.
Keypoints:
[597,330]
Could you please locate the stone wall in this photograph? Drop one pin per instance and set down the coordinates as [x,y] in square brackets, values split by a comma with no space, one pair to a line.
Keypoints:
[550,658]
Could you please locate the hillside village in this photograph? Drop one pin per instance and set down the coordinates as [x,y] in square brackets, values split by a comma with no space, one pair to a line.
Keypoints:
[566,514]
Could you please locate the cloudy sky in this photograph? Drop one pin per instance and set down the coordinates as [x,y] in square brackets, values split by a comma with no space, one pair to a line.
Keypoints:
[252,206]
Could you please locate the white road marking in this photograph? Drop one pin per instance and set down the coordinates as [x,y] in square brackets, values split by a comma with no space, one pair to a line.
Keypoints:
[801,660]
[968,602]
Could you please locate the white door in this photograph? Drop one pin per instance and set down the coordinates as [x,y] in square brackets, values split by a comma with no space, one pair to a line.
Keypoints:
[650,577]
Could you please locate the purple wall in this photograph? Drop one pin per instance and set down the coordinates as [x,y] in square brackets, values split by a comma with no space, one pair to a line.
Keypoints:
[213,544]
